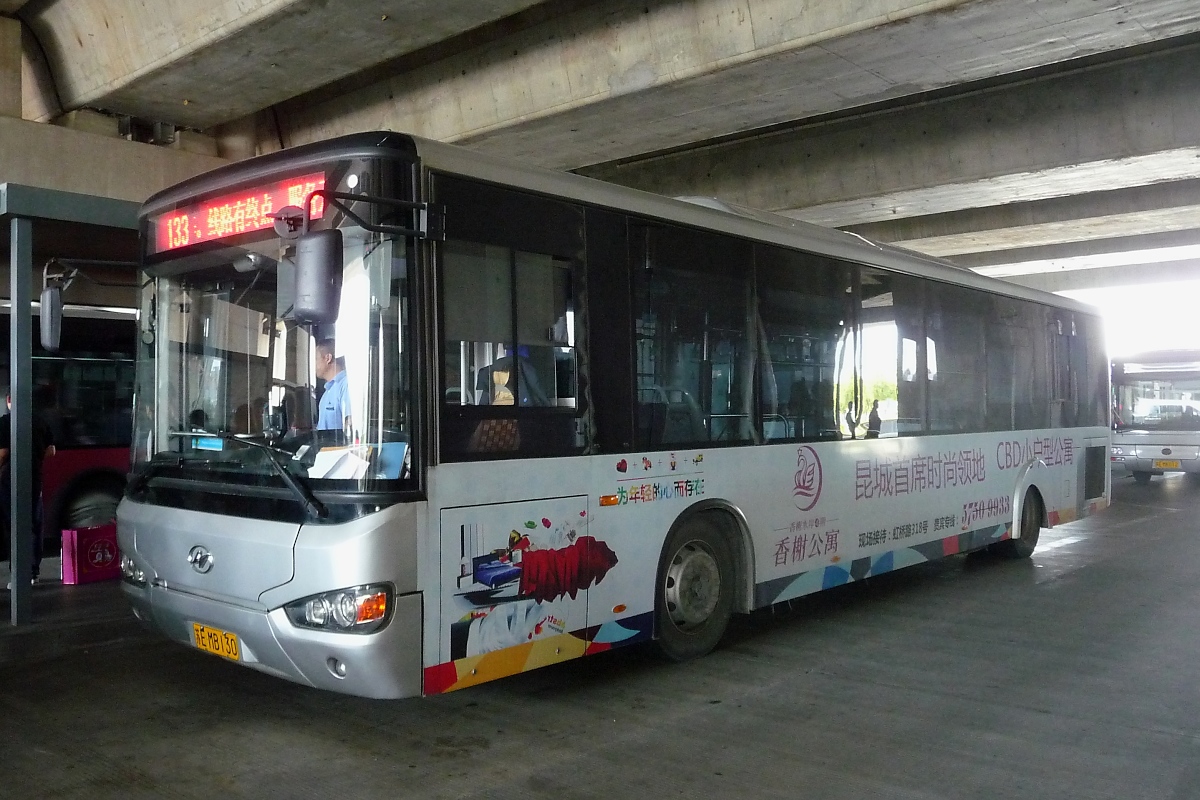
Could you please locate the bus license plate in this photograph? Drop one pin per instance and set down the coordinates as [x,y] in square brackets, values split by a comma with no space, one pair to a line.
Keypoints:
[216,641]
[1166,465]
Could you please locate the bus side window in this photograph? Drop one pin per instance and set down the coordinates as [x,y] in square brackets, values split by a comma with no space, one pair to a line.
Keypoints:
[510,364]
[957,391]
[694,337]
[800,299]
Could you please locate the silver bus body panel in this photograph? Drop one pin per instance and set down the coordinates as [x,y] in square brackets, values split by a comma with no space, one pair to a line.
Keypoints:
[248,556]
[385,664]
[377,548]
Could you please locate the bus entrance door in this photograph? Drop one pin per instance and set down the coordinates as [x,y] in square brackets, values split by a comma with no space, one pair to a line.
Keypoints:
[514,585]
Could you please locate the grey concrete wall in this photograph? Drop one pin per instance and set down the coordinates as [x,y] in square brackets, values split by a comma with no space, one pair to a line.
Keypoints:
[52,157]
[10,68]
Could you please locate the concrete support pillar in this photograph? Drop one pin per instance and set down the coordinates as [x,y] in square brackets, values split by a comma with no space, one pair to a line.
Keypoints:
[10,68]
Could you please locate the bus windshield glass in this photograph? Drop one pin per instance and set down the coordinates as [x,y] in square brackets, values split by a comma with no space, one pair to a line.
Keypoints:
[232,389]
[1158,402]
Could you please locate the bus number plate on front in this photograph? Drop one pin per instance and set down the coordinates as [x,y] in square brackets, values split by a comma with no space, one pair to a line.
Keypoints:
[216,641]
[1166,465]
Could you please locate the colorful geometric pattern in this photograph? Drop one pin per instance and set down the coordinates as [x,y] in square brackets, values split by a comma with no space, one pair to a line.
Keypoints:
[473,670]
[793,586]
[500,663]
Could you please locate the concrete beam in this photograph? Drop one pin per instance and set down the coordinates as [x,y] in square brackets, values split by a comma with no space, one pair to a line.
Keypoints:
[33,155]
[1112,277]
[10,68]
[1158,208]
[620,79]
[1093,252]
[199,64]
[1129,123]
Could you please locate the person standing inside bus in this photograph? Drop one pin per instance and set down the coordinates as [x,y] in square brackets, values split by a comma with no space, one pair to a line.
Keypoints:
[334,411]
[874,423]
[42,447]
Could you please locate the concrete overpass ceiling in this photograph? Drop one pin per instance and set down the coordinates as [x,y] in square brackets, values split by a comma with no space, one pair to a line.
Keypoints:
[996,133]
[1121,124]
[571,85]
[198,65]
[1119,260]
[616,80]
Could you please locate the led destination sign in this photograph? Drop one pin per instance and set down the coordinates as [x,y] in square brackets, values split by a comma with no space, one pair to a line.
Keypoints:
[228,215]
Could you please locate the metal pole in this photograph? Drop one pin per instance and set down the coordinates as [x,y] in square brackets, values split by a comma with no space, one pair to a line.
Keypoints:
[20,374]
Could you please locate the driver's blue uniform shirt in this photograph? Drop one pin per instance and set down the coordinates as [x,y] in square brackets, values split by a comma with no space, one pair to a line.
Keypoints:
[335,405]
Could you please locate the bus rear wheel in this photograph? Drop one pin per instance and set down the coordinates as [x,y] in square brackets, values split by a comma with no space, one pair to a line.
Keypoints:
[694,600]
[1031,527]
[1142,478]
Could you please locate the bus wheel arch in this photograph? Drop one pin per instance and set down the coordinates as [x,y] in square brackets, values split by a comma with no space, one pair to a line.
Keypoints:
[701,580]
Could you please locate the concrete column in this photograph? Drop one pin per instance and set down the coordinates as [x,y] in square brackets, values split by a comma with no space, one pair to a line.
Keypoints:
[10,68]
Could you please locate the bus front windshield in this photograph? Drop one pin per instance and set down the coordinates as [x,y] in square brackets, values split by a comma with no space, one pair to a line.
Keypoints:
[1162,404]
[231,388]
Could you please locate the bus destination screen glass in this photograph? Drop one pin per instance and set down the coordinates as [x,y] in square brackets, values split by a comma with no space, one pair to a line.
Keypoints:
[245,211]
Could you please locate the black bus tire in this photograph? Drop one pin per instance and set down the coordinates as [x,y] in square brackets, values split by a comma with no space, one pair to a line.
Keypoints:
[1031,527]
[1142,478]
[694,595]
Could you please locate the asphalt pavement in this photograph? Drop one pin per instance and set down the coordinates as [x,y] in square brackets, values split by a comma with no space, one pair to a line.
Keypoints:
[1071,675]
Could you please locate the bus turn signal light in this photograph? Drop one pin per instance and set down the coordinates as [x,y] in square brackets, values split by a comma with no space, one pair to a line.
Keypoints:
[372,607]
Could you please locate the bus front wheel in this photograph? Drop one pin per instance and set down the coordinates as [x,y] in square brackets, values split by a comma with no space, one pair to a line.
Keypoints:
[694,600]
[1031,527]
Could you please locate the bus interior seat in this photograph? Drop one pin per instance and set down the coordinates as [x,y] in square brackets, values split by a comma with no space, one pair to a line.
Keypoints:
[776,426]
[673,416]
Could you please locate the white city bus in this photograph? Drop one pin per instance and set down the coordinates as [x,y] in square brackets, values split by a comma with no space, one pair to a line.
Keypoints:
[410,418]
[1156,414]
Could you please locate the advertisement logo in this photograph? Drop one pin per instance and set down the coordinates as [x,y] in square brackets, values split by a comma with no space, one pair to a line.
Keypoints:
[807,489]
[101,553]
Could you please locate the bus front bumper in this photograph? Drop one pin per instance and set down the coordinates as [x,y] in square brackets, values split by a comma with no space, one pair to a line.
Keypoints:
[384,664]
[1157,466]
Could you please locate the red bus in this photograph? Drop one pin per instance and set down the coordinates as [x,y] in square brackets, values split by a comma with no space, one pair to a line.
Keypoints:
[84,391]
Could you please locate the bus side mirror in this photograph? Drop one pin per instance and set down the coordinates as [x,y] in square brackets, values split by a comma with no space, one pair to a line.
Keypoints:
[51,317]
[318,277]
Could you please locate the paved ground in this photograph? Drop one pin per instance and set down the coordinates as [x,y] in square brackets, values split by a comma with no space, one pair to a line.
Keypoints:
[1072,675]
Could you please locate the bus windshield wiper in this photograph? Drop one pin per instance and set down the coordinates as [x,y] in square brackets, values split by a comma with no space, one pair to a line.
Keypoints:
[299,487]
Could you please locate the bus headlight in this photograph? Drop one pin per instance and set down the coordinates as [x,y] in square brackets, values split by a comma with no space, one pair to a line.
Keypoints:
[359,609]
[131,572]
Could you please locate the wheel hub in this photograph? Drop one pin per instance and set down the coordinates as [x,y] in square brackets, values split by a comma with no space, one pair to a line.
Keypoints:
[693,586]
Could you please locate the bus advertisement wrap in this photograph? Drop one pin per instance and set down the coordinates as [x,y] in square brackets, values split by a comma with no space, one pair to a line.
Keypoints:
[525,417]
